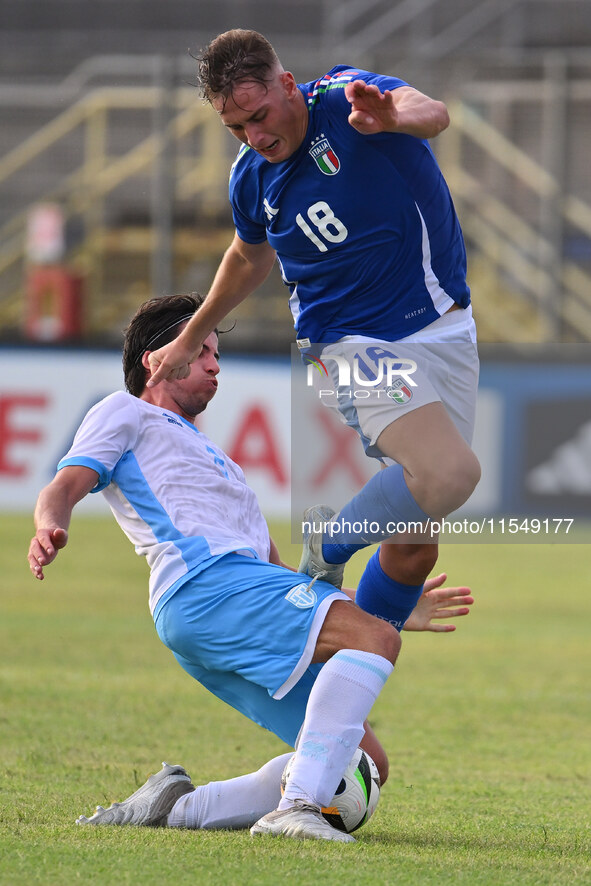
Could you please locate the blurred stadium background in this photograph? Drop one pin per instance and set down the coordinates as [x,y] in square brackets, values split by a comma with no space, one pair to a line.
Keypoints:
[113,173]
[113,187]
[99,117]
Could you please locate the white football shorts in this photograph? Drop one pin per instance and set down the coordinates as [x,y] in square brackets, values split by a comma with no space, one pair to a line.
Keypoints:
[371,383]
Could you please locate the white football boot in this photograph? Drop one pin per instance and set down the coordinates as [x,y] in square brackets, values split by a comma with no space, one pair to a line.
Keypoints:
[313,562]
[150,805]
[301,821]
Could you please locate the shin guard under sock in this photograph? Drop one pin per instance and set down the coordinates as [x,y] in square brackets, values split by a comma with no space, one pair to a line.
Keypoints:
[385,597]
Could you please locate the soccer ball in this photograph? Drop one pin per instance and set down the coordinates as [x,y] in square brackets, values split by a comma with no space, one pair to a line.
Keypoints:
[356,797]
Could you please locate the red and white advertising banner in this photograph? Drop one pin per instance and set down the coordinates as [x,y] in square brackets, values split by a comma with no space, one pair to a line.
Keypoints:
[44,394]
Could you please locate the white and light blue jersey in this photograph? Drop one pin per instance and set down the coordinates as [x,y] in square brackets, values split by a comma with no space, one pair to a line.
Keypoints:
[364,226]
[183,519]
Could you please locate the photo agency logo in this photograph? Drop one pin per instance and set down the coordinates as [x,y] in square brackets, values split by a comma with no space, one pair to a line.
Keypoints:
[392,377]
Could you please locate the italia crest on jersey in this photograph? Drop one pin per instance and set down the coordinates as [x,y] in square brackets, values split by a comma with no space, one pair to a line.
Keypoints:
[325,158]
[399,392]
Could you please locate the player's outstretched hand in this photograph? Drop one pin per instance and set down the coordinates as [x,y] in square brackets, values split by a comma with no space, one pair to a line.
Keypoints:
[44,548]
[371,110]
[438,603]
[170,362]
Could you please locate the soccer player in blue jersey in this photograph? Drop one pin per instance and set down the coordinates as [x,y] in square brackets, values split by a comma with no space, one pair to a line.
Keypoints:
[270,642]
[337,181]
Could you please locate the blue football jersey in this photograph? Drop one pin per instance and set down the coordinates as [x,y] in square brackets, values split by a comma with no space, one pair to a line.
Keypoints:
[364,226]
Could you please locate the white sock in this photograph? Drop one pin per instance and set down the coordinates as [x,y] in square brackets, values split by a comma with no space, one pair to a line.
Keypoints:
[234,803]
[340,701]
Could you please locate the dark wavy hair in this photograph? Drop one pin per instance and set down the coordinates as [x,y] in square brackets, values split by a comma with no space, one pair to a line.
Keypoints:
[154,325]
[234,56]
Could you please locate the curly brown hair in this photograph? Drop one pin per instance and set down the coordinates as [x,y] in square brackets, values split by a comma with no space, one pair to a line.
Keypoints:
[232,57]
[154,325]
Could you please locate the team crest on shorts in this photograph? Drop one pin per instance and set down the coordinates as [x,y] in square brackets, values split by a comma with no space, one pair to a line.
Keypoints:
[303,596]
[399,392]
[324,156]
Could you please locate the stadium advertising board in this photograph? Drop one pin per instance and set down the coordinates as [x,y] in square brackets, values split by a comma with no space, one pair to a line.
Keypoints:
[546,432]
[533,433]
[44,394]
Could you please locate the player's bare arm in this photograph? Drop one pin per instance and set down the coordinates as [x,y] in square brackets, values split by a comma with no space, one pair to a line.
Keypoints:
[53,513]
[403,110]
[243,268]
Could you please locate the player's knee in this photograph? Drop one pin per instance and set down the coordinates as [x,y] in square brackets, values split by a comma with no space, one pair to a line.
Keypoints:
[465,477]
[385,640]
[346,626]
[372,634]
[452,484]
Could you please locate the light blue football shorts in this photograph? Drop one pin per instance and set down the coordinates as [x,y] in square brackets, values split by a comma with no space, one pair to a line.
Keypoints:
[246,630]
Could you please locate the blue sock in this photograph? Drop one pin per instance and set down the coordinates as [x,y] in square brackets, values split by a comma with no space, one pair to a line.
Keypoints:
[385,597]
[382,508]
[334,553]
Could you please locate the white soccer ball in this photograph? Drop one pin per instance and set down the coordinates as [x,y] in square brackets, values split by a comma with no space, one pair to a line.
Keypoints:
[356,797]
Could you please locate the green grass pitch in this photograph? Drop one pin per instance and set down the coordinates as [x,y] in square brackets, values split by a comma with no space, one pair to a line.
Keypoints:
[488,730]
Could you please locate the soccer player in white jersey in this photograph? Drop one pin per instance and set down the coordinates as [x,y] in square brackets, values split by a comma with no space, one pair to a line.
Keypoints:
[336,179]
[294,655]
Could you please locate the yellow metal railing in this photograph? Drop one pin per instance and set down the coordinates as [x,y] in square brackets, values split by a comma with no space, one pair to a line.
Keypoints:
[190,113]
[518,264]
[85,190]
[557,290]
